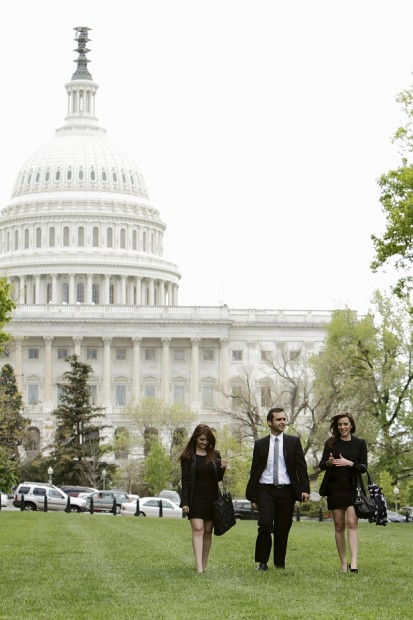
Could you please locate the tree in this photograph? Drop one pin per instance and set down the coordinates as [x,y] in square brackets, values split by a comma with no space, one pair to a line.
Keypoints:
[7,305]
[366,367]
[77,450]
[395,245]
[157,468]
[13,425]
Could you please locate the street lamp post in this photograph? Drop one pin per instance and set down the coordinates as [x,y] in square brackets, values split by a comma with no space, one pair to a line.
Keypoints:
[104,474]
[396,492]
[50,472]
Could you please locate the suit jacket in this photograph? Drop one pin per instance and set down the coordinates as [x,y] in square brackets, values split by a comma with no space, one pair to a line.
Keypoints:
[294,461]
[188,480]
[358,454]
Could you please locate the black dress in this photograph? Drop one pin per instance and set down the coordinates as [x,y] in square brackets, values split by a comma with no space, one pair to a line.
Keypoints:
[340,492]
[205,490]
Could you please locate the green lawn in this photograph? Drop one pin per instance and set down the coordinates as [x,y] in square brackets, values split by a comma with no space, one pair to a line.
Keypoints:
[58,565]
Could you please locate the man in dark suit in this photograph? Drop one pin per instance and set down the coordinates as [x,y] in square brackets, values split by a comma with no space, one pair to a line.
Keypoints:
[278,478]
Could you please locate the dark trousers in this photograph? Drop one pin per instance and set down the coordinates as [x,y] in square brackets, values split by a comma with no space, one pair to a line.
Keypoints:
[276,509]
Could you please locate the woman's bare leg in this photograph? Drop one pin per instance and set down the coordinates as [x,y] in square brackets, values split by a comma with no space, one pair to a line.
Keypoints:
[207,542]
[352,535]
[339,518]
[198,543]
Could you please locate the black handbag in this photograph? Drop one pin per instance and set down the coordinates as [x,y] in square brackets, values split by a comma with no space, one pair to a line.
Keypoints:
[224,516]
[364,506]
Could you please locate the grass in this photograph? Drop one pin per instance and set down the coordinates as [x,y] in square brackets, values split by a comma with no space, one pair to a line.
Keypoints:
[58,565]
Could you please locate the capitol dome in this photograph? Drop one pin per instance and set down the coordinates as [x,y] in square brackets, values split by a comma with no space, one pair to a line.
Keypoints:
[80,227]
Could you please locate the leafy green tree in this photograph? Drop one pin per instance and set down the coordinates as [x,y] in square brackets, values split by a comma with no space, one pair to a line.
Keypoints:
[77,451]
[158,468]
[13,426]
[7,305]
[366,367]
[395,246]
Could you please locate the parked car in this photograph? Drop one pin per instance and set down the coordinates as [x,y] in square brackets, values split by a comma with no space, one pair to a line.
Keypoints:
[103,500]
[35,492]
[149,507]
[76,491]
[172,495]
[395,517]
[4,500]
[243,510]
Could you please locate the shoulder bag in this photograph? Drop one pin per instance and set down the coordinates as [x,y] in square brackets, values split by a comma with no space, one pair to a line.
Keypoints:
[365,507]
[224,516]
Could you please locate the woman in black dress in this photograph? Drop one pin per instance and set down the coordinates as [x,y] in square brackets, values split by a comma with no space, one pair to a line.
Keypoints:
[344,460]
[202,468]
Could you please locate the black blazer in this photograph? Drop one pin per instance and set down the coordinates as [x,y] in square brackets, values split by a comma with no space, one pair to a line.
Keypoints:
[358,454]
[294,461]
[188,468]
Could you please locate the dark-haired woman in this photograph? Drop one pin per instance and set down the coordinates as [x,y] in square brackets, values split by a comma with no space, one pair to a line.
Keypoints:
[202,468]
[344,460]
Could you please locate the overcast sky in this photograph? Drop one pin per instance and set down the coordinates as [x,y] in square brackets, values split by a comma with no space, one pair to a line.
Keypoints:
[260,126]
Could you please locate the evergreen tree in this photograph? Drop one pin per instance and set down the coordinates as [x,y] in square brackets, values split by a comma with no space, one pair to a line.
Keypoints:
[13,426]
[76,451]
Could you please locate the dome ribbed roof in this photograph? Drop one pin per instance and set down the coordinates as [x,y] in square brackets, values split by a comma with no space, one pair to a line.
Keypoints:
[80,160]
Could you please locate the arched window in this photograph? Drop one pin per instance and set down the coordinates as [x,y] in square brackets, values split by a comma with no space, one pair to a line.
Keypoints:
[69,175]
[57,175]
[47,177]
[109,238]
[104,176]
[26,239]
[66,236]
[33,439]
[81,236]
[80,175]
[37,179]
[121,442]
[150,436]
[49,292]
[95,293]
[152,244]
[111,294]
[114,177]
[52,237]
[123,239]
[92,175]
[80,292]
[144,241]
[16,239]
[134,240]
[65,293]
[95,237]
[38,237]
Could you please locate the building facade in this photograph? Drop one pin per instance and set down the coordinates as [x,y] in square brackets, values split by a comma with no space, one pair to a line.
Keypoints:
[82,247]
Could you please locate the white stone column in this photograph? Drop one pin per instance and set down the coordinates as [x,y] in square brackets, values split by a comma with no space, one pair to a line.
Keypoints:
[37,285]
[107,403]
[77,345]
[131,289]
[195,374]
[224,364]
[161,293]
[151,291]
[18,369]
[170,300]
[123,290]
[106,290]
[175,294]
[54,288]
[138,291]
[136,368]
[72,297]
[47,386]
[165,369]
[89,285]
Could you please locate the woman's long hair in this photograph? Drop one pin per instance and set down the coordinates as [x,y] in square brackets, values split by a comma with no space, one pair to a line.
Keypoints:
[190,448]
[334,432]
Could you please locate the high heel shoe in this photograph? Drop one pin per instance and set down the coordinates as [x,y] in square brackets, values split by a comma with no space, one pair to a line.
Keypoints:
[352,570]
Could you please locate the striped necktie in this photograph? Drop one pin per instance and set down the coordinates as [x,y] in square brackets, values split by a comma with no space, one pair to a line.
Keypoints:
[275,465]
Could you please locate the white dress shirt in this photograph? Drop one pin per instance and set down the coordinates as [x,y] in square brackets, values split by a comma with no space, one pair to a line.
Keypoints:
[267,474]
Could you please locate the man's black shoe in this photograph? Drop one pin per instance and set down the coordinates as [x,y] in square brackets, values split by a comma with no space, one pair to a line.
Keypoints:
[262,566]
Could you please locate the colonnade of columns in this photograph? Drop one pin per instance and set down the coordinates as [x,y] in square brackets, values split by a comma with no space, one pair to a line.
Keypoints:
[136,368]
[79,288]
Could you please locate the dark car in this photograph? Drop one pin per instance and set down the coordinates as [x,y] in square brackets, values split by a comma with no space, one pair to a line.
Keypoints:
[243,510]
[103,500]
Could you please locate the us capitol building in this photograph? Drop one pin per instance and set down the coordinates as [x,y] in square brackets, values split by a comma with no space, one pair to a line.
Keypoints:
[82,246]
